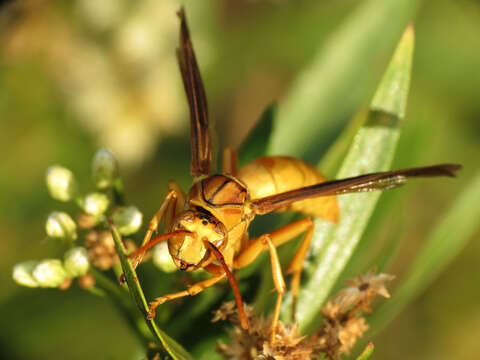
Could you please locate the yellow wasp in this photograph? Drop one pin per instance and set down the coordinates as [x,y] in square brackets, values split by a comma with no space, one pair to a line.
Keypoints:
[208,227]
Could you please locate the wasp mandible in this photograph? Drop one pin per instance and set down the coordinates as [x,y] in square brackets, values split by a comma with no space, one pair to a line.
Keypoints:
[208,227]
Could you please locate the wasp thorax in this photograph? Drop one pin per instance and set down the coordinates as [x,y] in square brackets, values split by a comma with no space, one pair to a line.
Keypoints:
[190,252]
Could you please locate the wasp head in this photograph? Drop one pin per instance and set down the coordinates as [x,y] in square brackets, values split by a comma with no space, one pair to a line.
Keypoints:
[189,252]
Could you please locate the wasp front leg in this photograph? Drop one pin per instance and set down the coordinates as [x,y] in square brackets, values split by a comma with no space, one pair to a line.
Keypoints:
[279,237]
[216,270]
[170,207]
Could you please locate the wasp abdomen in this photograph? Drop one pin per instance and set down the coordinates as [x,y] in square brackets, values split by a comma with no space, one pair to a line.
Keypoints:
[272,175]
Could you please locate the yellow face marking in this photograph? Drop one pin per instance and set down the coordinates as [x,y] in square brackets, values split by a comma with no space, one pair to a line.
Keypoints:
[189,251]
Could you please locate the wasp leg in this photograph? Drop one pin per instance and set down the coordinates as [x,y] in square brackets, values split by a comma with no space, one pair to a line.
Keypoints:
[219,274]
[279,237]
[229,161]
[175,207]
[277,280]
[167,209]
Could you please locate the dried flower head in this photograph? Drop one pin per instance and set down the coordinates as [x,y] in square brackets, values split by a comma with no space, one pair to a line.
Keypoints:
[362,290]
[343,326]
[255,343]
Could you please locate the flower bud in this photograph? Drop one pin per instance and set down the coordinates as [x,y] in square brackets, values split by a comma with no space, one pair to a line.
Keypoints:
[162,258]
[127,219]
[22,273]
[61,226]
[104,168]
[95,203]
[49,273]
[76,261]
[61,183]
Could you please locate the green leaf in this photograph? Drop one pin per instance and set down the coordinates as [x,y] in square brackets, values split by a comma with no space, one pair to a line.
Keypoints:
[332,161]
[255,144]
[367,352]
[447,239]
[171,346]
[372,150]
[339,77]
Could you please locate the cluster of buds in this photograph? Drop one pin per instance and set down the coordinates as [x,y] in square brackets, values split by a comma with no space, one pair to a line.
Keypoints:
[98,248]
[51,273]
[343,325]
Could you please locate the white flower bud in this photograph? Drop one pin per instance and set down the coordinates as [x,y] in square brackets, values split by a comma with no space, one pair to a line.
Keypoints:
[104,169]
[60,225]
[22,273]
[95,203]
[127,219]
[49,273]
[162,258]
[76,261]
[61,183]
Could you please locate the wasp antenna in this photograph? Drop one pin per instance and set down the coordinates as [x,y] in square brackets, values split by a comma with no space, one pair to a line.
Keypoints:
[156,240]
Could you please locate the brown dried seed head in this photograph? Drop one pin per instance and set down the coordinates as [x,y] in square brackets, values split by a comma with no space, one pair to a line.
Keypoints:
[65,285]
[86,281]
[91,237]
[105,239]
[101,249]
[86,221]
[352,330]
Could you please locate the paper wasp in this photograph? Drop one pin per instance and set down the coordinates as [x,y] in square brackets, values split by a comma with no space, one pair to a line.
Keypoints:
[208,227]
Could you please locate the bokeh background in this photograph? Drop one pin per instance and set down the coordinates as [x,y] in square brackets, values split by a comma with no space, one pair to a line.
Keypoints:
[84,74]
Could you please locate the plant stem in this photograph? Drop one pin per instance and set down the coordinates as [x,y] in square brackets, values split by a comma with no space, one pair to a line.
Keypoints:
[122,300]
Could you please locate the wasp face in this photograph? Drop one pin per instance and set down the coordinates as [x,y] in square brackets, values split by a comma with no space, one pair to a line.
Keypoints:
[190,252]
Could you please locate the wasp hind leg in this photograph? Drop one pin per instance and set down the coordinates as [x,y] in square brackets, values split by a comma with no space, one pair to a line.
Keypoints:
[277,280]
[276,238]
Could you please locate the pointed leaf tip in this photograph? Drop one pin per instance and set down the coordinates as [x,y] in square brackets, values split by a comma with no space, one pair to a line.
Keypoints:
[367,352]
[391,95]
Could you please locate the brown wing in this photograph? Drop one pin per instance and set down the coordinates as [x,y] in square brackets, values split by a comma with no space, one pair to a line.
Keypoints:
[197,101]
[363,183]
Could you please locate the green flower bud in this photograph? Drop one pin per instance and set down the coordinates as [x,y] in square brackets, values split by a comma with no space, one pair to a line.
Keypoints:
[22,273]
[49,273]
[61,183]
[104,168]
[61,226]
[96,204]
[76,261]
[128,220]
[162,258]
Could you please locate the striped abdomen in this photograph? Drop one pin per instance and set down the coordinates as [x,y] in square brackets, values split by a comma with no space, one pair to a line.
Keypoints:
[272,175]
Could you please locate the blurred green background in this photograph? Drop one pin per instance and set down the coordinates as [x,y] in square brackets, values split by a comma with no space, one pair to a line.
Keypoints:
[79,75]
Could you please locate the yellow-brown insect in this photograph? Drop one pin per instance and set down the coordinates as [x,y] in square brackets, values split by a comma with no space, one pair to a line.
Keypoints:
[208,227]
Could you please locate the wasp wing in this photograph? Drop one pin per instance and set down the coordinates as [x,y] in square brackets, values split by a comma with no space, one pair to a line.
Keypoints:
[362,183]
[197,101]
